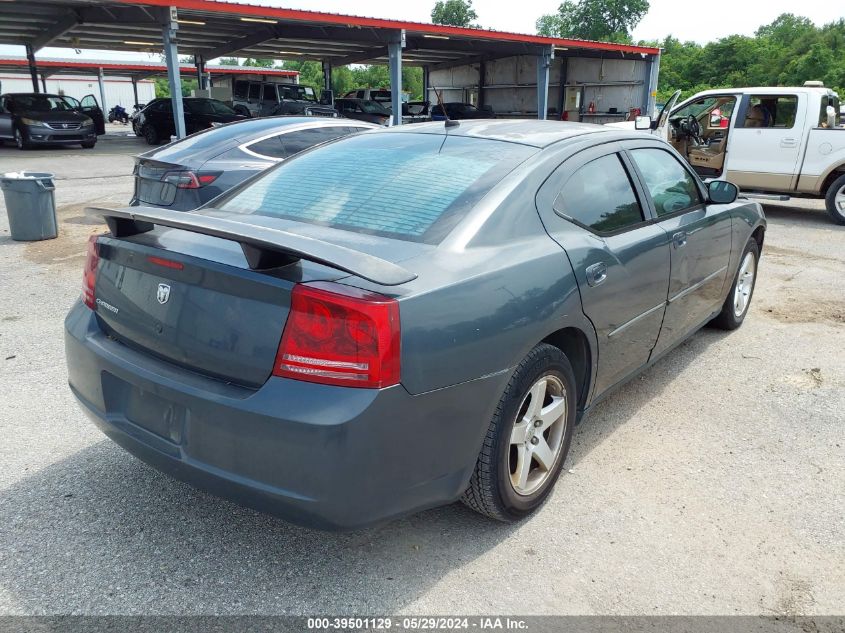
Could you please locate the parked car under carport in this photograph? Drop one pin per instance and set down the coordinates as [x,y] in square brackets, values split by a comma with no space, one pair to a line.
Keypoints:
[31,119]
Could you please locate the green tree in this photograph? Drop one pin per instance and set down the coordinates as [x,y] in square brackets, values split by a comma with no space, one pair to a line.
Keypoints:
[259,63]
[453,13]
[162,87]
[787,52]
[228,61]
[605,20]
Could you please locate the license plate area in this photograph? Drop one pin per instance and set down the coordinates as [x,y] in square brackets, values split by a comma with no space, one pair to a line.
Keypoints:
[144,408]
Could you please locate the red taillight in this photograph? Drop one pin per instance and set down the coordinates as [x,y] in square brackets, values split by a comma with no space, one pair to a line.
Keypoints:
[89,273]
[189,179]
[339,335]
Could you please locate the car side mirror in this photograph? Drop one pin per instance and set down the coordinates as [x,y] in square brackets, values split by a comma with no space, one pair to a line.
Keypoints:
[830,112]
[722,192]
[642,123]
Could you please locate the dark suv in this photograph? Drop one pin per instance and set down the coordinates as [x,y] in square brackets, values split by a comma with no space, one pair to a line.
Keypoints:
[261,98]
[43,119]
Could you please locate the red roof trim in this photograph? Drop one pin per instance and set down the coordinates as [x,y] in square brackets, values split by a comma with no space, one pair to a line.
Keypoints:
[232,8]
[129,66]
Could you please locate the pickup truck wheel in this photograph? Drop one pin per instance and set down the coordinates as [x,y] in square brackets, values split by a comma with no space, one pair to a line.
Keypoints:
[527,439]
[739,298]
[835,200]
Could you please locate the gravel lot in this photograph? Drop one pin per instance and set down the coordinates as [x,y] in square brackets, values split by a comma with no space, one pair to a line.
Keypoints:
[712,484]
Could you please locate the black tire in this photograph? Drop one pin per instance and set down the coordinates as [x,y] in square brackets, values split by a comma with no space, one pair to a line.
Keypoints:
[22,139]
[150,134]
[836,187]
[728,319]
[490,490]
[89,145]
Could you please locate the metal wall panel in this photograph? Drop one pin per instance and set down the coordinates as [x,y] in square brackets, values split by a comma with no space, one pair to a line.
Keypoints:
[510,84]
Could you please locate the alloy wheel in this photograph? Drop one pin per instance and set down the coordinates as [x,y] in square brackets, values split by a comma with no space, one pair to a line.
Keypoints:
[839,201]
[537,436]
[744,284]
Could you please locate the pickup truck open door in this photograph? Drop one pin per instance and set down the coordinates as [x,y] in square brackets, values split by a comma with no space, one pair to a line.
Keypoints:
[661,125]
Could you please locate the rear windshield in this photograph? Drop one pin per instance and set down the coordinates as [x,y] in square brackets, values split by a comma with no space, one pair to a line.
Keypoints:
[373,107]
[413,187]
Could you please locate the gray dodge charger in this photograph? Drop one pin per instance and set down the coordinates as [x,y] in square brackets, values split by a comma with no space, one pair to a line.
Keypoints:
[403,318]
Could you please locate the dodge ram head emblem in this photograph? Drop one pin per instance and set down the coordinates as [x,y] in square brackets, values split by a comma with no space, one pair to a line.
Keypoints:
[163,293]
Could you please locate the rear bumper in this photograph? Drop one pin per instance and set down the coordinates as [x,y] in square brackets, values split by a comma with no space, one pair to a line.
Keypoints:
[322,456]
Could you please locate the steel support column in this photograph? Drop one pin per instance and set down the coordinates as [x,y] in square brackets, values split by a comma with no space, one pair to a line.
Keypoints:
[544,62]
[135,90]
[44,82]
[394,56]
[425,85]
[651,89]
[327,81]
[101,80]
[33,68]
[170,26]
[199,62]
[564,67]
[482,71]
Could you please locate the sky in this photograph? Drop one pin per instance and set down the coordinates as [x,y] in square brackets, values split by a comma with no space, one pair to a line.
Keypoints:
[665,17]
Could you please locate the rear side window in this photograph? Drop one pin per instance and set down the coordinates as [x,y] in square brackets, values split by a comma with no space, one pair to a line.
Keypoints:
[777,111]
[284,145]
[271,147]
[241,89]
[254,91]
[270,92]
[407,186]
[600,197]
[672,187]
[300,140]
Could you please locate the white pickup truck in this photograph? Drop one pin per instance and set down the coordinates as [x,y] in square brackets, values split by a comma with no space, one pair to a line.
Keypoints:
[771,142]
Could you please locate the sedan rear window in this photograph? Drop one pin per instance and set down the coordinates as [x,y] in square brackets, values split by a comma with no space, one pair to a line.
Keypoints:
[409,186]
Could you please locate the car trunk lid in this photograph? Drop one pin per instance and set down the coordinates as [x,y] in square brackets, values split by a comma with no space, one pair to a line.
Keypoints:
[208,293]
[150,186]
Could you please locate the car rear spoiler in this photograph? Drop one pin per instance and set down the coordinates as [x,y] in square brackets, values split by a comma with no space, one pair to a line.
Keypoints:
[263,247]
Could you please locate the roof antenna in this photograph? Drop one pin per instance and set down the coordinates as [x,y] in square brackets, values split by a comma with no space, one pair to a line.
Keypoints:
[449,122]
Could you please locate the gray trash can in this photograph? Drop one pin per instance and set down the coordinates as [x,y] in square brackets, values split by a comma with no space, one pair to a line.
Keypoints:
[30,204]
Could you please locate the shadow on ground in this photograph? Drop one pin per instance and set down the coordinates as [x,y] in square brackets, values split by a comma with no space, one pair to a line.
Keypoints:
[798,215]
[100,532]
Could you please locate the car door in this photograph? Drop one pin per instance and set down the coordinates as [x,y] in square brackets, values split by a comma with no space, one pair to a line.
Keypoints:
[269,99]
[765,147]
[254,100]
[5,120]
[699,233]
[91,107]
[592,207]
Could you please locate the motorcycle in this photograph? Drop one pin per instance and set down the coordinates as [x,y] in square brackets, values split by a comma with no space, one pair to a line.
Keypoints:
[118,113]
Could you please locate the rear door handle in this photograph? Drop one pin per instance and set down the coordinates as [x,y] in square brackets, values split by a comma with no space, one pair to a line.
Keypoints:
[596,274]
[679,239]
[789,142]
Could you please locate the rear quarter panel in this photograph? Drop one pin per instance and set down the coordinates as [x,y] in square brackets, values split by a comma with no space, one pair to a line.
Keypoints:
[825,153]
[493,290]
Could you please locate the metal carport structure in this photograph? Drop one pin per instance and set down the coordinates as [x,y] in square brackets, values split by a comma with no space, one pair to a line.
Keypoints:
[209,29]
[135,71]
